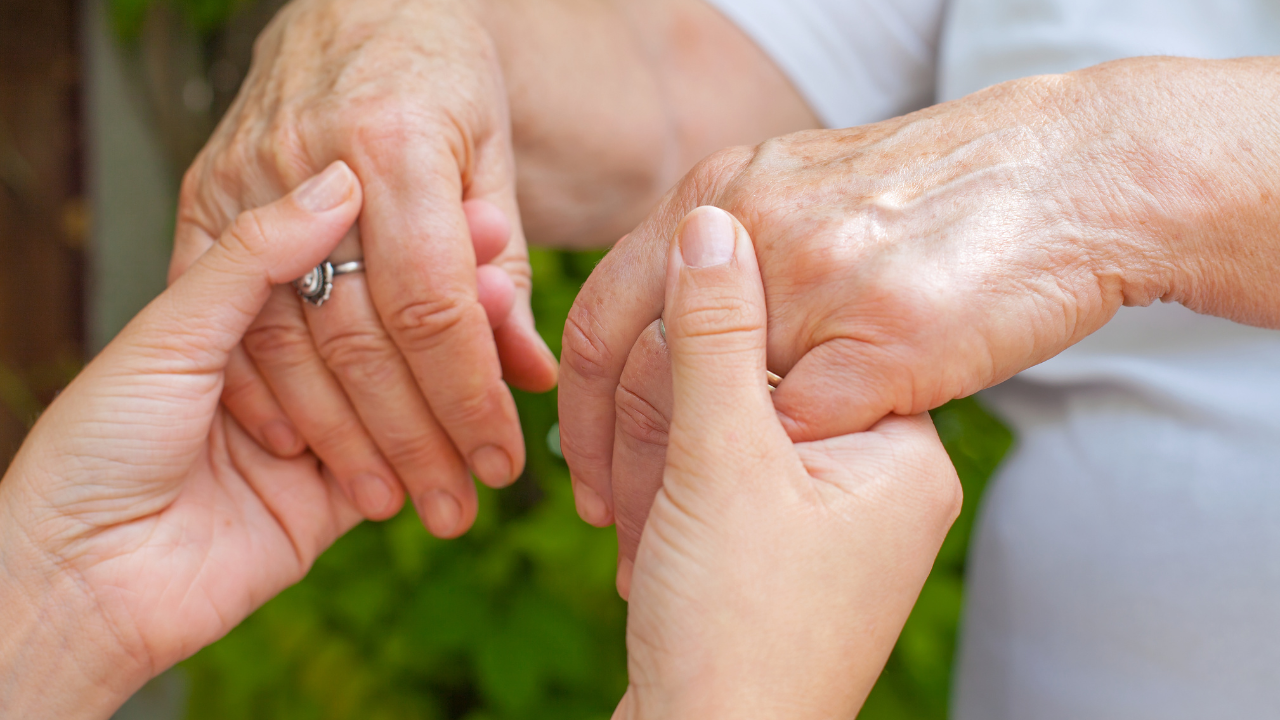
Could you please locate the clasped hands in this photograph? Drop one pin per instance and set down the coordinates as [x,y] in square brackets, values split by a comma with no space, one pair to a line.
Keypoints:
[141,522]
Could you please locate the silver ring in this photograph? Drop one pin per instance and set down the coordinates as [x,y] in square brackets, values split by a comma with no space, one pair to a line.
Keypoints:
[772,379]
[317,284]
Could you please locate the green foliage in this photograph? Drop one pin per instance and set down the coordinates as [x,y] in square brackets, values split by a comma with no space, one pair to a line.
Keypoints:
[916,682]
[205,16]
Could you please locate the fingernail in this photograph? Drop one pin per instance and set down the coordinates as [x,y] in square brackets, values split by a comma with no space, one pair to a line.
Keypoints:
[280,437]
[707,238]
[441,512]
[325,191]
[625,570]
[591,507]
[492,465]
[372,494]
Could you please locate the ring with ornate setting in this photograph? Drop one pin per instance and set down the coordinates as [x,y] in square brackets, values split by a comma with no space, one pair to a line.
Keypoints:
[315,286]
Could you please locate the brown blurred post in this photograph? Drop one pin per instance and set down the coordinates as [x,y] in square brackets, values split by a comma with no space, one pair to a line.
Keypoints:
[43,216]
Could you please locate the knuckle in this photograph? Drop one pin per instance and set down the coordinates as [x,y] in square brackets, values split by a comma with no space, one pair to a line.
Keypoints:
[716,171]
[472,409]
[248,234]
[192,182]
[228,168]
[584,352]
[414,449]
[283,146]
[639,419]
[239,389]
[423,323]
[720,315]
[390,120]
[361,359]
[584,452]
[341,439]
[278,344]
[933,480]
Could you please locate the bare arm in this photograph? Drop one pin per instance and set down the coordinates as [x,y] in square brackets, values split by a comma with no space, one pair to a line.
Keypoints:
[612,102]
[926,257]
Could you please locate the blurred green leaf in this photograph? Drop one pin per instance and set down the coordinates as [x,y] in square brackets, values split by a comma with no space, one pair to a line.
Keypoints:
[205,16]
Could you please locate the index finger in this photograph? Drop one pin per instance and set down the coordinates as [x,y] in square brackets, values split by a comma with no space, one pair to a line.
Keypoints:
[623,296]
[421,269]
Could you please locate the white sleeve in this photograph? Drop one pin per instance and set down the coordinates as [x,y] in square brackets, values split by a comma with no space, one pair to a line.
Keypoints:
[854,61]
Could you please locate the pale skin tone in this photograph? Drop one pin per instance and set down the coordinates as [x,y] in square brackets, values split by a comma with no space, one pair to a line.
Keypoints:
[924,258]
[399,383]
[141,522]
[772,577]
[905,263]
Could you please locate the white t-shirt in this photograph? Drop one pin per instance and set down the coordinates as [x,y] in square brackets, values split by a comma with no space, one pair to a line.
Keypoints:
[1126,562]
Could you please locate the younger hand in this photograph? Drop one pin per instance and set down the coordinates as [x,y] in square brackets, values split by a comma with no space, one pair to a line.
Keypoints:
[140,522]
[772,577]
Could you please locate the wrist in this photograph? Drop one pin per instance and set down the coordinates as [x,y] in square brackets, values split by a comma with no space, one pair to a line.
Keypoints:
[1192,153]
[730,685]
[61,658]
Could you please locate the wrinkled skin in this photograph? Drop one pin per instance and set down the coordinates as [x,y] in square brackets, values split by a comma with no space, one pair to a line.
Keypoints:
[921,259]
[395,383]
[411,96]
[773,577]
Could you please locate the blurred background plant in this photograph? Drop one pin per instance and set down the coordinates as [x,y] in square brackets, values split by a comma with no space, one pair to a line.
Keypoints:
[517,619]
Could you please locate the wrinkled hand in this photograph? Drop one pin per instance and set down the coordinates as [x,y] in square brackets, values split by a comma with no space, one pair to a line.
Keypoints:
[397,382]
[905,264]
[139,522]
[772,578]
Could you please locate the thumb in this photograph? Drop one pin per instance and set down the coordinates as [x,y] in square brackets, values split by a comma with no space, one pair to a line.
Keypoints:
[206,311]
[715,327]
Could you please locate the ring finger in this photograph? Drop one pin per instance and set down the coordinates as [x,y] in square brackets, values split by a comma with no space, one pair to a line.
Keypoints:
[351,341]
[281,347]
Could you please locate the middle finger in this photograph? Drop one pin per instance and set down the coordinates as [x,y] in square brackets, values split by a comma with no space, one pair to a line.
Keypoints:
[281,347]
[643,402]
[353,343]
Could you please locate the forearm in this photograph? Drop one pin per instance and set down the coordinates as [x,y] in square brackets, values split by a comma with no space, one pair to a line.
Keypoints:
[613,101]
[1197,168]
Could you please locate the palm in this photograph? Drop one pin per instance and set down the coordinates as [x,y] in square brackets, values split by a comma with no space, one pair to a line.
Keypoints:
[179,555]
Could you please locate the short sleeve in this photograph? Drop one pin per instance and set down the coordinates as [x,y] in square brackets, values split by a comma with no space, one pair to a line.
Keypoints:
[854,61]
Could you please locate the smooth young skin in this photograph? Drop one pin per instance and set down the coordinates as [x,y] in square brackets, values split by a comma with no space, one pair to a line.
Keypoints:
[924,258]
[139,522]
[397,382]
[772,577]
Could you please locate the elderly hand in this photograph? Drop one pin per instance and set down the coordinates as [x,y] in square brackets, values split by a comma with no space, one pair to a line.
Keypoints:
[139,522]
[924,258]
[772,578]
[395,383]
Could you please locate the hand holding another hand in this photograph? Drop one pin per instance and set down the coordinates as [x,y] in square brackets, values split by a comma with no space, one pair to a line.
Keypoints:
[140,522]
[772,577]
[904,263]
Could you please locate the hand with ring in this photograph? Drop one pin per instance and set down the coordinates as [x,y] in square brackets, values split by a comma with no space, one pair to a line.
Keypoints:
[396,381]
[139,522]
[395,375]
